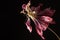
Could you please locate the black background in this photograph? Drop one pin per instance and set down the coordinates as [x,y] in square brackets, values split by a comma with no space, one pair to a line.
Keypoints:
[12,25]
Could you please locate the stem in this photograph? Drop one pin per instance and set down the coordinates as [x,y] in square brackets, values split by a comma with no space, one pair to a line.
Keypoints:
[54,33]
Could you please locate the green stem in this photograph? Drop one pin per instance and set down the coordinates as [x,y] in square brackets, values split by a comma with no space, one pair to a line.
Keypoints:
[54,33]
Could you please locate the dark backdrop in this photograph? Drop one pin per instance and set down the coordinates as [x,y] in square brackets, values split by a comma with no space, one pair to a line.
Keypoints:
[12,22]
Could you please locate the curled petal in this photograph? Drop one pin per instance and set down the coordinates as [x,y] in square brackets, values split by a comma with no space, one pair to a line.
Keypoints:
[23,6]
[40,32]
[47,12]
[28,25]
[46,19]
[39,28]
[44,25]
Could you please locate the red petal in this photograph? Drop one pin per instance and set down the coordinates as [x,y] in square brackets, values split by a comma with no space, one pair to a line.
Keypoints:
[39,28]
[23,6]
[28,25]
